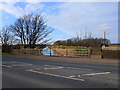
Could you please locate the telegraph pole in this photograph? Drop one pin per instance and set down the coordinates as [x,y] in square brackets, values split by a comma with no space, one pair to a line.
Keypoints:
[104,40]
[104,37]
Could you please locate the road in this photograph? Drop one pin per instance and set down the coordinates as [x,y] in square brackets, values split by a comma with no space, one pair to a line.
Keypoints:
[28,73]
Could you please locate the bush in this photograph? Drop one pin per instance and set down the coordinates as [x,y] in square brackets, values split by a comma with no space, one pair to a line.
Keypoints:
[6,49]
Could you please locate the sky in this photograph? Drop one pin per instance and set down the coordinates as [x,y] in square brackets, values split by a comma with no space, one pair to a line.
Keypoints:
[67,18]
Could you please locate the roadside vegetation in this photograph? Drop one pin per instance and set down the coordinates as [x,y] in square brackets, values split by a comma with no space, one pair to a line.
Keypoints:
[4,53]
[69,47]
[77,42]
[29,31]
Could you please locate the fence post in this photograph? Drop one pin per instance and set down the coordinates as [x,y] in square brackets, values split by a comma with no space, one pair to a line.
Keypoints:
[38,51]
[66,53]
[90,51]
[50,51]
[80,51]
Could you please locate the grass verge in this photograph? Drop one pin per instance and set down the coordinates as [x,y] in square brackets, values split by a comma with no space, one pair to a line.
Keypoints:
[4,53]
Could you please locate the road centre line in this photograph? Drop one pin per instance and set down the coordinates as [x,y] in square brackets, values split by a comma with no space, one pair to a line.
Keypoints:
[78,68]
[91,74]
[53,68]
[68,67]
[31,70]
[73,68]
[52,65]
[48,65]
[24,63]
[14,62]
[21,64]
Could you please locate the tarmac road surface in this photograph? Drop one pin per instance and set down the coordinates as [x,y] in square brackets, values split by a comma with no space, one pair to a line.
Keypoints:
[27,73]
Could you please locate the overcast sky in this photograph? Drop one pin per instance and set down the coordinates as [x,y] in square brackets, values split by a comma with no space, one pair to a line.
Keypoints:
[68,18]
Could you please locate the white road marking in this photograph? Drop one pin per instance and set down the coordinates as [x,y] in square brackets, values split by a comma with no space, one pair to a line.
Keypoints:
[17,65]
[72,76]
[91,74]
[78,68]
[48,65]
[53,68]
[6,66]
[24,64]
[37,68]
[55,75]
[30,70]
[14,62]
[73,68]
[67,67]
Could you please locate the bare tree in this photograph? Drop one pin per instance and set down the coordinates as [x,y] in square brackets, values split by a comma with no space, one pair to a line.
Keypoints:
[6,37]
[31,29]
[6,40]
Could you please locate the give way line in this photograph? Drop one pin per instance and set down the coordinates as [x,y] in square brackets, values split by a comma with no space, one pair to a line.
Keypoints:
[31,70]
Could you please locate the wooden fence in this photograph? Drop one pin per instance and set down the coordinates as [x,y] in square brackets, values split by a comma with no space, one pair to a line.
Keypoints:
[27,51]
[73,52]
[55,52]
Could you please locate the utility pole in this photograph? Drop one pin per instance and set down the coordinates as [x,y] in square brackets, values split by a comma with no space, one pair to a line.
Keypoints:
[104,40]
[104,37]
